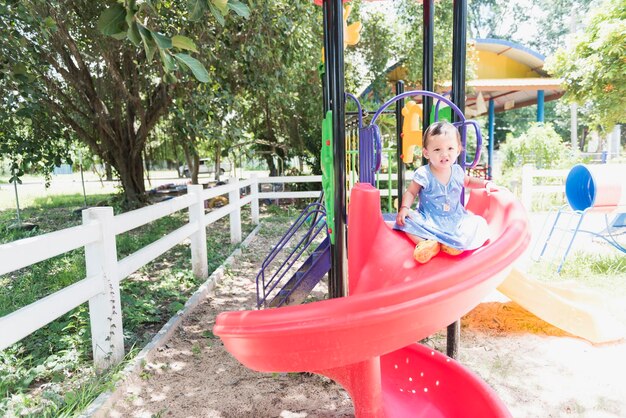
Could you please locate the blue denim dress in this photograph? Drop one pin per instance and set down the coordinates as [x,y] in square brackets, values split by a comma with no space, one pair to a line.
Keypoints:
[441,216]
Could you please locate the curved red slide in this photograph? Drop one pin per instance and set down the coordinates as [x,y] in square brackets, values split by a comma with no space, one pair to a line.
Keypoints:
[365,341]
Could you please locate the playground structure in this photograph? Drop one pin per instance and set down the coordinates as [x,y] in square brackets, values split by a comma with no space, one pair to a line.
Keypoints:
[366,341]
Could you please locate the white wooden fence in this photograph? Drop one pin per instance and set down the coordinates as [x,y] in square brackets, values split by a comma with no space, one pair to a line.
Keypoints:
[529,173]
[104,271]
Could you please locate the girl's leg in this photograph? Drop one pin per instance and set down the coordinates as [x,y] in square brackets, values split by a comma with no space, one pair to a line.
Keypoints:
[414,238]
[450,250]
[425,249]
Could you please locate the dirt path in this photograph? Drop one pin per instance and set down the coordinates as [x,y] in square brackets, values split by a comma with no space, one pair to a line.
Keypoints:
[537,370]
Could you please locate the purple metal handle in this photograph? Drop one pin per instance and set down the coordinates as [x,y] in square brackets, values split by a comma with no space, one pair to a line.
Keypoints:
[378,150]
[358,106]
[437,106]
[462,123]
[479,143]
[479,140]
[418,93]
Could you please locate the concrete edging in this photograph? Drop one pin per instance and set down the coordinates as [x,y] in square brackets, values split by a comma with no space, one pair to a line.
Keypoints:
[105,401]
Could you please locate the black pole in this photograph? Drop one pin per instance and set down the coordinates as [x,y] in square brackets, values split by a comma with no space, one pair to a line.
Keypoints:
[338,279]
[459,30]
[428,79]
[399,122]
[327,52]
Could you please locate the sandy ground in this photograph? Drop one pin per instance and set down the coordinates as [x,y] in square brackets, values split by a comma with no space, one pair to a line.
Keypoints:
[536,369]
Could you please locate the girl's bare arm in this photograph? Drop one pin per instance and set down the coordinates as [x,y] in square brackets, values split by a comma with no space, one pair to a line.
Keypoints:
[407,201]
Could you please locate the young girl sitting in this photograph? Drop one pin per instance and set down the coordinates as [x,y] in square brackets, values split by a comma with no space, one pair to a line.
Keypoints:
[441,222]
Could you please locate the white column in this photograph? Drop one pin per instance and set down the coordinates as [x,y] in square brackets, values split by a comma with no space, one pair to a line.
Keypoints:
[614,142]
[235,215]
[574,126]
[527,186]
[199,260]
[105,311]
[254,192]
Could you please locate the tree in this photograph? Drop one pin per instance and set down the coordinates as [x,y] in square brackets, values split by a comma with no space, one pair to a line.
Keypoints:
[556,20]
[486,17]
[377,48]
[412,46]
[30,137]
[88,76]
[593,67]
[272,68]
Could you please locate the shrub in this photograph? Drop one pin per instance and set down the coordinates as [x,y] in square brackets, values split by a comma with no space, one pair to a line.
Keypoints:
[539,145]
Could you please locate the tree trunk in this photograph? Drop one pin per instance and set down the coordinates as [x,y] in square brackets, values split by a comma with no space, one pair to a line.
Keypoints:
[218,161]
[130,169]
[195,169]
[193,160]
[270,164]
[108,171]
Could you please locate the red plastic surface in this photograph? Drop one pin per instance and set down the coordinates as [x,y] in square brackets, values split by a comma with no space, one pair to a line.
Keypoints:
[393,302]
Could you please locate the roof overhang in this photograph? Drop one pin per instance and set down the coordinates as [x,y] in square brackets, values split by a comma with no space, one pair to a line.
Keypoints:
[510,93]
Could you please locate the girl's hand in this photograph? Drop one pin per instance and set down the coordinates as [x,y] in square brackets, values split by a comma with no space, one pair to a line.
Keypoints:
[402,214]
[491,187]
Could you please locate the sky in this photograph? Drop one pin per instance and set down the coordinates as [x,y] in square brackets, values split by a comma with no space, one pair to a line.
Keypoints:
[526,31]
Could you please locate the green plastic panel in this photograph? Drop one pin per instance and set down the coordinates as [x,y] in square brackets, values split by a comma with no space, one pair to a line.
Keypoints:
[328,173]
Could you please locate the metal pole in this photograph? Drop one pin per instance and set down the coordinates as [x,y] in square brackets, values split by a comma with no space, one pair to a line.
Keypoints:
[335,66]
[459,35]
[82,178]
[399,122]
[540,105]
[327,54]
[17,203]
[428,80]
[492,120]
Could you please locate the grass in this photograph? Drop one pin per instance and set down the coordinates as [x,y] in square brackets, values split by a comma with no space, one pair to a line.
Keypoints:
[49,373]
[606,272]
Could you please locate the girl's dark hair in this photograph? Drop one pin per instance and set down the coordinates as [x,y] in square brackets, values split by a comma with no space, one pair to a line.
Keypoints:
[439,128]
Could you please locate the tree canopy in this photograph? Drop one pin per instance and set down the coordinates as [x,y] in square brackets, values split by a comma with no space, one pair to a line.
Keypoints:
[594,66]
[91,66]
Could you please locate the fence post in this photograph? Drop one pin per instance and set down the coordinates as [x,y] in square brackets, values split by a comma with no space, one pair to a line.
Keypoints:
[527,186]
[199,260]
[235,215]
[254,193]
[105,311]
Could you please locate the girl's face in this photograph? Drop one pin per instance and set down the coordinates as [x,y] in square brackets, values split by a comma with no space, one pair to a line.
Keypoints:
[442,150]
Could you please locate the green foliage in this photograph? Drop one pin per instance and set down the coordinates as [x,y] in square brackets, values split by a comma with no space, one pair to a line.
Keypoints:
[410,13]
[593,68]
[378,48]
[85,71]
[31,138]
[127,20]
[516,121]
[601,271]
[49,373]
[539,145]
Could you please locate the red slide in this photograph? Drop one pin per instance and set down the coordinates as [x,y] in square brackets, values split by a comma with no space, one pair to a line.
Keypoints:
[366,341]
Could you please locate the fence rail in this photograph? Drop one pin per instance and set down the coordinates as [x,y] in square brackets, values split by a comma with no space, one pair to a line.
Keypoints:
[104,272]
[529,173]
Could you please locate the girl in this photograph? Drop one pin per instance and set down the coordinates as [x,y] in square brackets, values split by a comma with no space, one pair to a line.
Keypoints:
[441,222]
